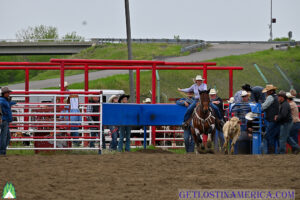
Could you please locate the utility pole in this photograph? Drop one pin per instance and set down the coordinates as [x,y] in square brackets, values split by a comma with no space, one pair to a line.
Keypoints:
[271,22]
[128,30]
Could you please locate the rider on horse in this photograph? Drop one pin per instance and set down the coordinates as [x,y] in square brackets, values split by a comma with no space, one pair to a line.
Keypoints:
[196,87]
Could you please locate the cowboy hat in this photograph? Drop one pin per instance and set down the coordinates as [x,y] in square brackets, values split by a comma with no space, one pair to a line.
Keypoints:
[65,84]
[147,100]
[111,98]
[251,116]
[5,90]
[247,87]
[231,100]
[199,78]
[213,91]
[268,88]
[244,93]
[122,97]
[289,95]
[282,94]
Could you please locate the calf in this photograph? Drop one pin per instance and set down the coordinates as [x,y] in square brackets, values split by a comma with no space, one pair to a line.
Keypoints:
[231,130]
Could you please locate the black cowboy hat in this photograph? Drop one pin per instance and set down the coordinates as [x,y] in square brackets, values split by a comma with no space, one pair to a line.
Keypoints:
[122,97]
[247,87]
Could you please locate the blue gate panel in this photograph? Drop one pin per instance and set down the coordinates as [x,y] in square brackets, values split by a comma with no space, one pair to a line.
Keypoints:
[142,114]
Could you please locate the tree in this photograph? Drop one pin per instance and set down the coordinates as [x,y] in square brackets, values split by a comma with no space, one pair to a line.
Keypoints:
[73,37]
[38,32]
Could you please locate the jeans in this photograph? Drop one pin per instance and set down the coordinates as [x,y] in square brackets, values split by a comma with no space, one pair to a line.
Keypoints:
[293,136]
[272,132]
[114,137]
[294,131]
[75,134]
[125,131]
[284,135]
[4,137]
[188,141]
[189,110]
[96,134]
[218,137]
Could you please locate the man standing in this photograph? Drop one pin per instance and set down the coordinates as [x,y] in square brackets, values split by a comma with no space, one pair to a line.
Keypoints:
[271,109]
[296,121]
[5,103]
[284,118]
[125,131]
[187,135]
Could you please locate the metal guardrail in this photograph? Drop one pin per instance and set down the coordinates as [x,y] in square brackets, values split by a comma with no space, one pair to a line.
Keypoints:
[193,47]
[148,40]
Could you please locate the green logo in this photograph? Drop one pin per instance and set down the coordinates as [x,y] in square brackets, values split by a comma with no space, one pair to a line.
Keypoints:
[9,191]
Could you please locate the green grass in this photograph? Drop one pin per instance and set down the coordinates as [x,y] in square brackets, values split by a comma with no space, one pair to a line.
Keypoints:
[107,51]
[288,60]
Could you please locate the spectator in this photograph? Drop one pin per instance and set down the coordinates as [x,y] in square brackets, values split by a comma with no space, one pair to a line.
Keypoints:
[293,92]
[5,104]
[147,101]
[217,105]
[95,120]
[284,118]
[241,109]
[271,109]
[296,121]
[125,131]
[74,119]
[114,130]
[256,94]
[187,135]
[66,85]
[196,87]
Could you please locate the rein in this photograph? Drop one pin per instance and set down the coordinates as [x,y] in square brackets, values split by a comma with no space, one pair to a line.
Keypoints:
[207,119]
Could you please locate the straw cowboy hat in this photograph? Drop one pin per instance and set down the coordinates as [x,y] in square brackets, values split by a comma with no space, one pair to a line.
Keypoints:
[289,95]
[213,91]
[268,88]
[147,100]
[198,78]
[251,116]
[244,93]
[231,100]
[65,84]
[112,98]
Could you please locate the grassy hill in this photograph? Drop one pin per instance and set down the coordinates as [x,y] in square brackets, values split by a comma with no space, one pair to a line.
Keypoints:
[288,60]
[106,51]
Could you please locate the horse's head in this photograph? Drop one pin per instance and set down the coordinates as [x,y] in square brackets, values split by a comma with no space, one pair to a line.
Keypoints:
[204,97]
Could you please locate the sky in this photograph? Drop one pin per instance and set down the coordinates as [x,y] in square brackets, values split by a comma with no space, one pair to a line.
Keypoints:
[232,20]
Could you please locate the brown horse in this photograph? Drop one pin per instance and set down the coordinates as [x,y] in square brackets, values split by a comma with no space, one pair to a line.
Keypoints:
[203,122]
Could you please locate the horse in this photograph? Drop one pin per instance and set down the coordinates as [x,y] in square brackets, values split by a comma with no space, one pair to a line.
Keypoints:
[203,122]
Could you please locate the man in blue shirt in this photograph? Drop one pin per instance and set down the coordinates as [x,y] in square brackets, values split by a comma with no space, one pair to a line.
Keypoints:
[5,103]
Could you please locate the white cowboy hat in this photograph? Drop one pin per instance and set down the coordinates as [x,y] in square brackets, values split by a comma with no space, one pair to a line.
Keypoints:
[244,93]
[231,100]
[199,78]
[147,100]
[213,91]
[268,88]
[65,84]
[111,98]
[251,116]
[289,95]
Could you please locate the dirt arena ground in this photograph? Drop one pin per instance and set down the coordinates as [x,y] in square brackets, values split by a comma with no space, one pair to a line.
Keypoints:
[144,175]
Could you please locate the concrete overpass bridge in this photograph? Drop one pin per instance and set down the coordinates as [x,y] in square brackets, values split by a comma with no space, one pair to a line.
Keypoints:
[42,48]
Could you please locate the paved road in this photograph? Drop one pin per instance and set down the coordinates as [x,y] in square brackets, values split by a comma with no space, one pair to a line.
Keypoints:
[215,51]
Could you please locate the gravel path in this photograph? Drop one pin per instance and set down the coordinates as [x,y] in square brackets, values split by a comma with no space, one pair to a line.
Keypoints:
[215,51]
